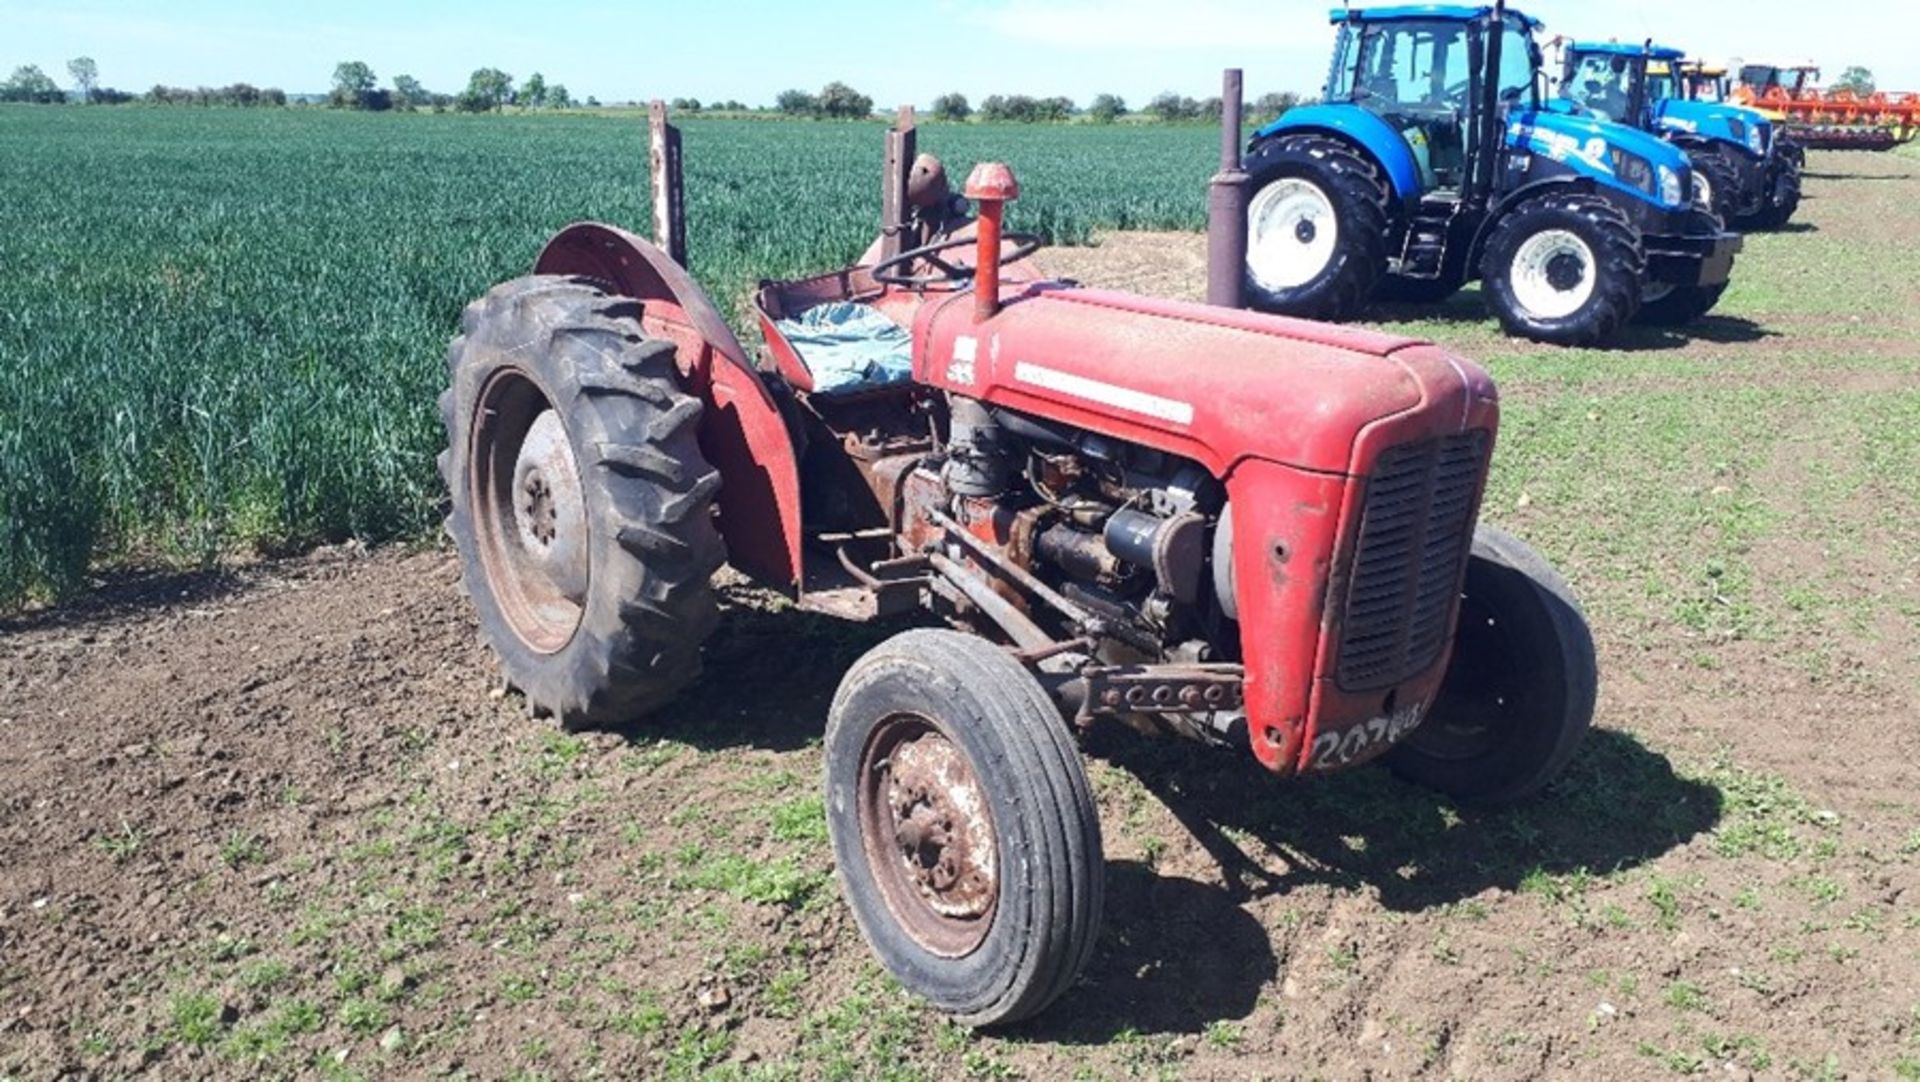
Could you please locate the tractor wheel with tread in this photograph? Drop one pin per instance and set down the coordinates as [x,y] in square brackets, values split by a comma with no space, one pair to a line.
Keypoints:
[964,831]
[580,502]
[1564,268]
[1317,227]
[1783,198]
[1714,174]
[1519,691]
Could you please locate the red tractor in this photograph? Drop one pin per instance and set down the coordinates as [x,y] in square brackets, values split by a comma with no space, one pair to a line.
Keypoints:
[1243,529]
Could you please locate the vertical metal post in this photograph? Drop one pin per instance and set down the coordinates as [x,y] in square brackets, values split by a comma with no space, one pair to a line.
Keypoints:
[894,212]
[1227,206]
[669,187]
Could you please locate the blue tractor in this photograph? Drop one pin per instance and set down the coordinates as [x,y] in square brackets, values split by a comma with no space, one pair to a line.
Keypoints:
[1743,171]
[1434,160]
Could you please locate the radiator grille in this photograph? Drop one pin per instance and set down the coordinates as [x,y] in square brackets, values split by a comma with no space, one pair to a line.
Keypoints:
[1415,533]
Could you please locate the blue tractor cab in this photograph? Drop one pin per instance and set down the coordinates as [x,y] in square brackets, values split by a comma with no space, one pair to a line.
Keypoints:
[1434,159]
[1738,169]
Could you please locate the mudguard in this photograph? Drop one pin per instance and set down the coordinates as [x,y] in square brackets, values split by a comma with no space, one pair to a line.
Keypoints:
[742,434]
[1359,127]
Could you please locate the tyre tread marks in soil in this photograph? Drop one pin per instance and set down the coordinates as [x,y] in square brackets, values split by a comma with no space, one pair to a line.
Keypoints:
[1015,736]
[1562,662]
[1621,267]
[1361,200]
[648,491]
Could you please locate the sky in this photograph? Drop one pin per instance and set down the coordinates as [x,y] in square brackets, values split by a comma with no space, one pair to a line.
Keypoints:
[906,52]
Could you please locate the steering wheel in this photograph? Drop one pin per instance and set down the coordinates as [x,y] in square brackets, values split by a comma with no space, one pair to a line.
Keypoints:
[892,271]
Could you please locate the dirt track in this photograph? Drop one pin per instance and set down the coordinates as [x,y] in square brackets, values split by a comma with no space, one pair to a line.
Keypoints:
[277,822]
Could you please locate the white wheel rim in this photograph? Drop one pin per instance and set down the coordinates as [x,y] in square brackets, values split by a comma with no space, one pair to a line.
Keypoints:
[1292,233]
[1553,274]
[1705,189]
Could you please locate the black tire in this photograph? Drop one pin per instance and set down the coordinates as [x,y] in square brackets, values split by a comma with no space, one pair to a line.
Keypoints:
[1617,266]
[1352,187]
[972,703]
[617,629]
[1721,178]
[1783,196]
[1678,306]
[1519,690]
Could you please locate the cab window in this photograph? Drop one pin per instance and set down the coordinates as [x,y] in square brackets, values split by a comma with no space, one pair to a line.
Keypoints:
[1599,83]
[1519,63]
[1412,67]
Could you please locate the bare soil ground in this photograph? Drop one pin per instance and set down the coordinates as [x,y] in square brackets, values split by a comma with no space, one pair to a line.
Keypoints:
[277,822]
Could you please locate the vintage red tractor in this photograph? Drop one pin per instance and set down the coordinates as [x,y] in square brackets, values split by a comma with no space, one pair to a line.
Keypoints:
[1244,529]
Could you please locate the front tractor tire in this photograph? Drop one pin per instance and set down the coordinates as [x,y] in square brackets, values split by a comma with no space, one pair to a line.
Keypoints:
[1316,228]
[1563,268]
[580,502]
[1716,182]
[964,831]
[1783,197]
[1519,692]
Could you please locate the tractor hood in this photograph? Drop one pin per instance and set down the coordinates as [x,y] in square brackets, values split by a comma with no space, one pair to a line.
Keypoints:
[1586,144]
[1216,385]
[1716,120]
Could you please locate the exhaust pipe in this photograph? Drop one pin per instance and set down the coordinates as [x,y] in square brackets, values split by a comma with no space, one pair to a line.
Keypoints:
[1227,206]
[991,184]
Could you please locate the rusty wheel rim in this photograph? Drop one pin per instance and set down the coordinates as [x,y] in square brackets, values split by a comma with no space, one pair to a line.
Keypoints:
[928,835]
[529,511]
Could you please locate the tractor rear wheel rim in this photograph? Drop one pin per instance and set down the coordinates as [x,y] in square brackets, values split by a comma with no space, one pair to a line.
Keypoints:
[529,510]
[928,835]
[1554,274]
[1292,233]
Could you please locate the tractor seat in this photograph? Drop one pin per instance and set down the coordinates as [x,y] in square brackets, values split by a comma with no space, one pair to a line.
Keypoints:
[847,346]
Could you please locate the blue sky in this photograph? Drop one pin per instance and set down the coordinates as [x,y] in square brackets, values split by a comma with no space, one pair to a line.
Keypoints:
[752,49]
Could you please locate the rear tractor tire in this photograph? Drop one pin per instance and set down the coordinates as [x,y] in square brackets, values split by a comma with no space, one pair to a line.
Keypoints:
[580,501]
[964,831]
[1316,228]
[1563,268]
[1519,691]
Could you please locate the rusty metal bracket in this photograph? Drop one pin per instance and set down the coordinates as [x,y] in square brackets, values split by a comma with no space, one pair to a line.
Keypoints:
[1169,689]
[669,185]
[894,215]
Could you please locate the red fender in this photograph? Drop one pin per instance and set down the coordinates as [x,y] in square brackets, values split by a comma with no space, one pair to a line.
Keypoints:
[742,434]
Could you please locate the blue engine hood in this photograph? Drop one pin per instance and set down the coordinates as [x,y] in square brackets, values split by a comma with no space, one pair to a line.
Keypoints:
[1703,113]
[1583,129]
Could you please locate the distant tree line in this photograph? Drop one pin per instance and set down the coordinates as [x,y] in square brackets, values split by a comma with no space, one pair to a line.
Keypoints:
[835,101]
[491,90]
[238,95]
[1104,109]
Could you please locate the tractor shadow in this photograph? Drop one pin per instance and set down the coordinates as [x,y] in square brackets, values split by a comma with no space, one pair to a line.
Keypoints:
[1618,805]
[768,675]
[1720,330]
[1466,309]
[1178,954]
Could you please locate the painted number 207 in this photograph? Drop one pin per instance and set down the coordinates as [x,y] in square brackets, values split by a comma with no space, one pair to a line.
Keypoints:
[1334,750]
